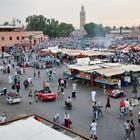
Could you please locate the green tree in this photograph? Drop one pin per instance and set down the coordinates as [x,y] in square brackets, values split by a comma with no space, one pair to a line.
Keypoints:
[50,27]
[65,29]
[36,23]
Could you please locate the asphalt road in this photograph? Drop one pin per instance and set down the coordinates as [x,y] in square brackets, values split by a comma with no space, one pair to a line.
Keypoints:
[110,126]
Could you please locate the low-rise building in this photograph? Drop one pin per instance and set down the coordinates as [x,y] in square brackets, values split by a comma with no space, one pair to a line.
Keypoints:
[11,36]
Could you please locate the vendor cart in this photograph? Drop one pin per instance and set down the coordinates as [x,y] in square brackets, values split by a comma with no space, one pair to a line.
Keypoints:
[116,93]
[12,98]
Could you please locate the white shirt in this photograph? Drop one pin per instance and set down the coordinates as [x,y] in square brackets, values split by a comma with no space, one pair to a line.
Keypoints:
[62,81]
[127,104]
[93,93]
[130,108]
[29,79]
[126,125]
[93,126]
[74,85]
[66,116]
[2,119]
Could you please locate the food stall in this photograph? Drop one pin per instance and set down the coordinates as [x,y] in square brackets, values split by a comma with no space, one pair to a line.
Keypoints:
[106,76]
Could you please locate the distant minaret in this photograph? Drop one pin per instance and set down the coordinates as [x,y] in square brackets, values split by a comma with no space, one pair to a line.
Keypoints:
[82,19]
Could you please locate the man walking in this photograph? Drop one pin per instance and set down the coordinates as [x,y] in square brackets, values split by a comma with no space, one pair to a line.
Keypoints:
[30,96]
[93,129]
[127,128]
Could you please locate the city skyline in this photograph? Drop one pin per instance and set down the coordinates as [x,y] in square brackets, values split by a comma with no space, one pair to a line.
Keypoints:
[109,13]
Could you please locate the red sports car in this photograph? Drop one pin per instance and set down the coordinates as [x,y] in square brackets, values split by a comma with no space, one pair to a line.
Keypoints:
[45,95]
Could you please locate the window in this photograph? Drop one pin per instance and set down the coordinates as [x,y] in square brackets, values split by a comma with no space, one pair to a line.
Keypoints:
[10,38]
[17,37]
[23,37]
[2,38]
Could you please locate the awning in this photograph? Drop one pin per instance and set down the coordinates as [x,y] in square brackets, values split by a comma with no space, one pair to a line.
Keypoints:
[83,61]
[110,71]
[128,68]
[84,68]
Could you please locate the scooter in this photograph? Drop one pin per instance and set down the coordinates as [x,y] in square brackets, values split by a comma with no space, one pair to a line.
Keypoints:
[68,105]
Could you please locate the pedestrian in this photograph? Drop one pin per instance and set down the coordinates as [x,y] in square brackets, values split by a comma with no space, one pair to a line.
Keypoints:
[13,63]
[56,119]
[43,85]
[74,86]
[13,87]
[47,86]
[30,96]
[26,84]
[95,110]
[127,105]
[119,84]
[131,109]
[21,71]
[3,117]
[8,69]
[36,96]
[93,93]
[65,83]
[10,79]
[62,92]
[34,73]
[139,117]
[127,128]
[107,103]
[38,73]
[73,94]
[15,79]
[59,83]
[67,121]
[122,103]
[30,81]
[99,107]
[62,82]
[122,112]
[18,86]
[132,128]
[93,128]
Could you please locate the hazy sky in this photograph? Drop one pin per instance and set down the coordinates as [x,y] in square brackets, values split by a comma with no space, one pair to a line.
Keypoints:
[107,12]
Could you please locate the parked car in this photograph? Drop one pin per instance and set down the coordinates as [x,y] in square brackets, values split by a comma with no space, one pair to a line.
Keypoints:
[46,94]
[13,98]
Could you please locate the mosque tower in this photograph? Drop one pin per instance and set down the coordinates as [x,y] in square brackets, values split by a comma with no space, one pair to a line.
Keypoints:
[82,19]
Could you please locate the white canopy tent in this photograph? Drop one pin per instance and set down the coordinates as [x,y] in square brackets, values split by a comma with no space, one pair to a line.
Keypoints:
[30,129]
[83,61]
[84,68]
[111,71]
[128,68]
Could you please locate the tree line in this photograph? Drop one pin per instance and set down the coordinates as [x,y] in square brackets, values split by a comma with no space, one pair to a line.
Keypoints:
[50,27]
[53,28]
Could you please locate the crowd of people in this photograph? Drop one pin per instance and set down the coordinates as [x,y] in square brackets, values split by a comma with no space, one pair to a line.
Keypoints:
[126,58]
[67,42]
[125,107]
